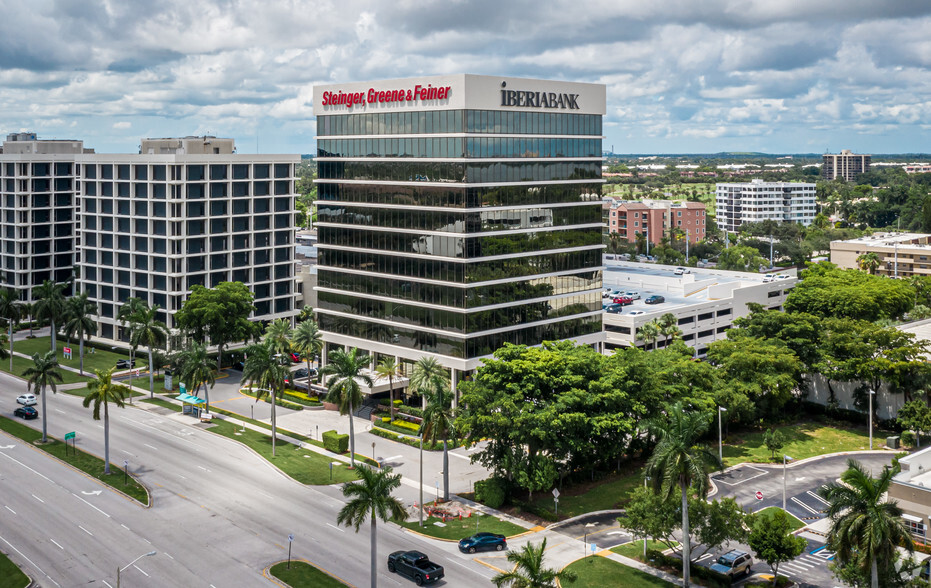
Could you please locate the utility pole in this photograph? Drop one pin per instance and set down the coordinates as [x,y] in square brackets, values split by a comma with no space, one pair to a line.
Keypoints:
[770,251]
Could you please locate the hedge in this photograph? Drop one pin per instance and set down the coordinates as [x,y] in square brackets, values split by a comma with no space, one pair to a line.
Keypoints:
[491,492]
[397,428]
[406,439]
[708,576]
[302,399]
[333,441]
[279,401]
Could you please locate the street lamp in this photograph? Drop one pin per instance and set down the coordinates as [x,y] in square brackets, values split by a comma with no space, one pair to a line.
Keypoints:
[373,454]
[720,438]
[645,480]
[872,393]
[120,570]
[784,459]
[421,479]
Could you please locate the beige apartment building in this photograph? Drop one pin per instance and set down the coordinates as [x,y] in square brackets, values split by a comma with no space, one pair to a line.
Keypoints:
[846,165]
[900,254]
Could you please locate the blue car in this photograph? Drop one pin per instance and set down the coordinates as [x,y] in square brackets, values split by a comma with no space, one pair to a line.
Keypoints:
[483,542]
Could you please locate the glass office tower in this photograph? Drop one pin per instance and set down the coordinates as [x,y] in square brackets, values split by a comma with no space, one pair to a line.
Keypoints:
[458,213]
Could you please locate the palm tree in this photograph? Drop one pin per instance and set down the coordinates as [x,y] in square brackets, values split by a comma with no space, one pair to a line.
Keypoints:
[198,369]
[866,526]
[529,572]
[307,340]
[126,315]
[43,374]
[614,242]
[152,333]
[78,321]
[101,392]
[439,422]
[648,333]
[343,387]
[268,373]
[371,498]
[669,327]
[388,368]
[868,262]
[11,309]
[428,375]
[679,462]
[49,305]
[278,334]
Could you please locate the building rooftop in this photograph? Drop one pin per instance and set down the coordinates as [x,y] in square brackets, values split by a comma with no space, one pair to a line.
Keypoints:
[891,239]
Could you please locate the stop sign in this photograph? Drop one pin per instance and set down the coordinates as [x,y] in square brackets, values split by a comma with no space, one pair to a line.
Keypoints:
[759,495]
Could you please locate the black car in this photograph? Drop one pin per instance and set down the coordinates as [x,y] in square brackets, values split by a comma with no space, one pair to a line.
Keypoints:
[483,542]
[239,365]
[26,412]
[655,300]
[125,364]
[416,566]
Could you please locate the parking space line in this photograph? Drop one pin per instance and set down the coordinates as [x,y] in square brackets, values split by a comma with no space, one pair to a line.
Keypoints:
[737,483]
[805,506]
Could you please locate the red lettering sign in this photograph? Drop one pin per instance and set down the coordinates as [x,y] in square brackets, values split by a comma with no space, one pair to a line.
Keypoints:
[373,96]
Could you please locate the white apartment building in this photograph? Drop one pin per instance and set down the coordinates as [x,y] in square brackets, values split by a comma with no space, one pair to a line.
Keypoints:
[756,201]
[150,225]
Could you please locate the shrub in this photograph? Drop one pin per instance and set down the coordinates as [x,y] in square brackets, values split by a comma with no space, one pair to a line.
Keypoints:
[412,441]
[398,403]
[386,419]
[491,492]
[407,425]
[709,576]
[333,441]
[907,438]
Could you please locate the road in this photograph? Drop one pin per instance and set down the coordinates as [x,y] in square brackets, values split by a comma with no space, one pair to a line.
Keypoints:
[221,514]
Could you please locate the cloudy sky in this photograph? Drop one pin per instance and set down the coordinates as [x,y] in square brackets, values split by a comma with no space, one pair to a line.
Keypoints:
[683,76]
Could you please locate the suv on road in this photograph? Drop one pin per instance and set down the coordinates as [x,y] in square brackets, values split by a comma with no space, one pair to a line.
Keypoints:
[734,563]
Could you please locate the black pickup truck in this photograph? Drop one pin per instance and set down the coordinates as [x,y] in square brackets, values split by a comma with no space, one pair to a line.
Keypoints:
[415,566]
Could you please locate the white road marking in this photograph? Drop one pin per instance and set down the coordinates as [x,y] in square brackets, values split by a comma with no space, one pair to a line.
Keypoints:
[124,526]
[737,483]
[140,569]
[41,571]
[91,493]
[39,499]
[28,468]
[85,530]
[108,585]
[9,509]
[394,457]
[168,555]
[7,446]
[335,527]
[182,477]
[203,468]
[90,505]
[56,544]
[805,506]
[150,447]
[266,495]
[126,452]
[465,457]
[816,497]
[59,411]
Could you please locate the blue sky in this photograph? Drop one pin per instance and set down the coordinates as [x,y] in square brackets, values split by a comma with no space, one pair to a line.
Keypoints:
[777,76]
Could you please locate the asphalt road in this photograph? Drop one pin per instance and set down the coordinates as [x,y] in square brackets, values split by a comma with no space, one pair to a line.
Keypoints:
[221,514]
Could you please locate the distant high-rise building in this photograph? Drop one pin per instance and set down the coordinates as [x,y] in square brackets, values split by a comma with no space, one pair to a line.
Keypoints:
[756,201]
[845,165]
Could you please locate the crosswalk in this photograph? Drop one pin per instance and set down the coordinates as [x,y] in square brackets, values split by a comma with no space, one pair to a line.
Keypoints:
[806,562]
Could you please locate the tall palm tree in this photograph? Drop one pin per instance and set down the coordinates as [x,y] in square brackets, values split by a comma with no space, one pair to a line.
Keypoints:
[678,462]
[371,498]
[266,374]
[389,368]
[127,315]
[152,333]
[307,340]
[868,262]
[866,526]
[529,572]
[428,375]
[278,334]
[439,422]
[669,327]
[11,309]
[49,305]
[101,392]
[344,389]
[78,321]
[648,333]
[198,369]
[43,374]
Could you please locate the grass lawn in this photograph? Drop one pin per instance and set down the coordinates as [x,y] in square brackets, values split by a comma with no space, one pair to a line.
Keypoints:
[10,575]
[304,575]
[794,522]
[595,572]
[456,529]
[99,359]
[605,494]
[163,403]
[87,463]
[634,549]
[307,467]
[802,440]
[21,364]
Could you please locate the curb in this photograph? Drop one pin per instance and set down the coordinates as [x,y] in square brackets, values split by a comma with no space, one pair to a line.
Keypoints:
[268,574]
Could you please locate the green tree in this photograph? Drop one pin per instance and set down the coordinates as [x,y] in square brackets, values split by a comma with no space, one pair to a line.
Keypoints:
[648,333]
[868,261]
[388,368]
[741,258]
[197,370]
[152,333]
[44,374]
[428,375]
[669,327]
[370,498]
[346,370]
[714,523]
[278,336]
[127,318]
[49,305]
[219,315]
[772,540]
[102,391]
[439,422]
[529,570]
[915,415]
[78,321]
[865,524]
[652,516]
[266,375]
[678,462]
[307,340]
[11,310]
[774,441]
[828,292]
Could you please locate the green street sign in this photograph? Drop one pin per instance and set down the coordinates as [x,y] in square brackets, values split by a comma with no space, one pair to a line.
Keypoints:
[69,435]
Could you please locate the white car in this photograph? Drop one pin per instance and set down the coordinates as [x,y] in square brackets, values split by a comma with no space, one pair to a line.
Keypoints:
[636,312]
[682,270]
[768,278]
[782,277]
[632,295]
[26,399]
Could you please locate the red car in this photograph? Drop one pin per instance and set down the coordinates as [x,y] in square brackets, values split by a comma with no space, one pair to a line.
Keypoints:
[295,358]
[623,300]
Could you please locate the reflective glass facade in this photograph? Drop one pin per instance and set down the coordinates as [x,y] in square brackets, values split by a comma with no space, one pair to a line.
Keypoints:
[453,230]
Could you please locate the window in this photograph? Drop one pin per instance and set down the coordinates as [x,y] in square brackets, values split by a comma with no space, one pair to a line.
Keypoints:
[705,316]
[724,312]
[686,320]
[774,293]
[914,525]
[707,333]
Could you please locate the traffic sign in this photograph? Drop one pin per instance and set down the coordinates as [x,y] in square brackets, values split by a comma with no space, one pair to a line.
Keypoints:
[759,495]
[69,435]
[290,537]
[555,492]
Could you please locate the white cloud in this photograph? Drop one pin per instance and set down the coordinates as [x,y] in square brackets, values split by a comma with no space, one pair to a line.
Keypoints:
[122,125]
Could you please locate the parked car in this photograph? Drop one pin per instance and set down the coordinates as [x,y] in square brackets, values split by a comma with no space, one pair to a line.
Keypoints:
[734,563]
[769,278]
[483,542]
[26,412]
[623,300]
[637,312]
[682,270]
[632,295]
[415,566]
[614,308]
[239,365]
[125,364]
[782,277]
[26,399]
[296,358]
[655,299]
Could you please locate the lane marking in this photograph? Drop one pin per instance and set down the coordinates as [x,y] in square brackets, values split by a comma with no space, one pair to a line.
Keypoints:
[59,411]
[9,509]
[335,527]
[168,555]
[108,585]
[816,497]
[39,499]
[126,452]
[85,530]
[737,483]
[56,544]
[465,457]
[28,468]
[124,526]
[41,571]
[90,505]
[141,570]
[805,506]
[150,447]
[394,457]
